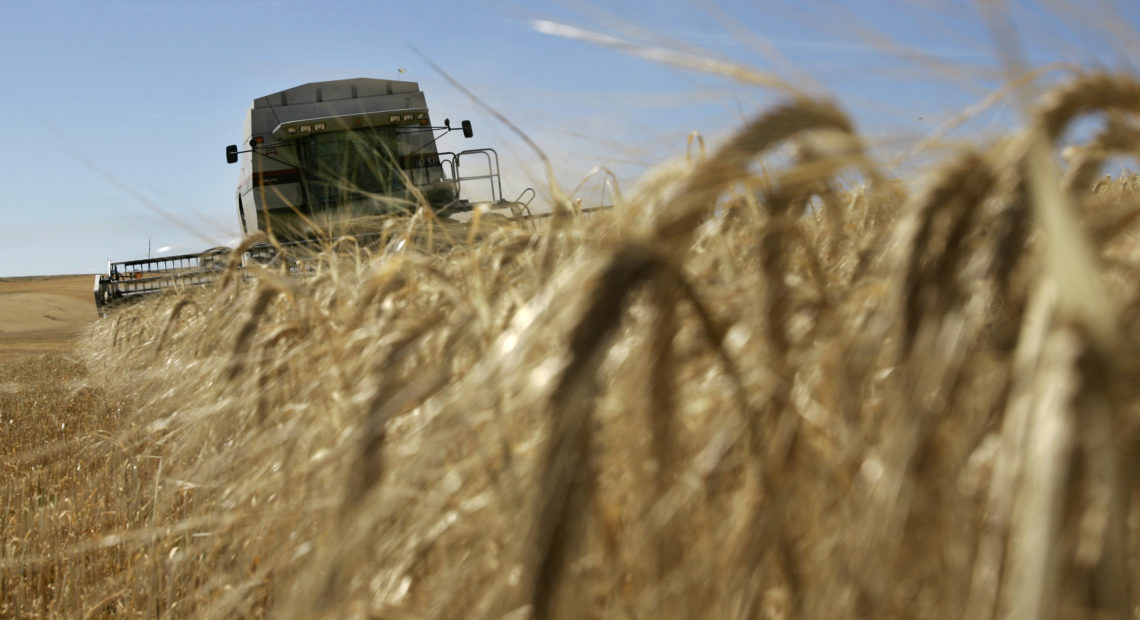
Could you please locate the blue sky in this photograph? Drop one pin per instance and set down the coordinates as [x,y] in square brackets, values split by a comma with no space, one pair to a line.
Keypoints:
[116,113]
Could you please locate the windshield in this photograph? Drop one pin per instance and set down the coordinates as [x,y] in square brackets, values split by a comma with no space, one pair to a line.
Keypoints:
[343,166]
[372,163]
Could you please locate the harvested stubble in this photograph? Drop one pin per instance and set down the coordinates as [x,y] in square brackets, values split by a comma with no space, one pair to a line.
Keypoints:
[736,396]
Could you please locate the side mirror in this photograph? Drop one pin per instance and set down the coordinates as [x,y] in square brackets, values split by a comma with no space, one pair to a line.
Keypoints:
[231,154]
[467,131]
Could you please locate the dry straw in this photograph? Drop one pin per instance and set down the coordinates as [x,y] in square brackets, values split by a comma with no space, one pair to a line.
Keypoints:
[754,390]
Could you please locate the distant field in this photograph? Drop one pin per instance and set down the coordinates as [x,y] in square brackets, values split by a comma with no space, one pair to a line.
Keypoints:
[49,408]
[43,314]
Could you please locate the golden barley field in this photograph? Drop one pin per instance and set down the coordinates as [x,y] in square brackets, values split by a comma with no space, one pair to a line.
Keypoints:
[759,387]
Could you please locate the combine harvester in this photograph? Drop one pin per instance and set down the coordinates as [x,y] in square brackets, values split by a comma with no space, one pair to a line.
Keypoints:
[325,160]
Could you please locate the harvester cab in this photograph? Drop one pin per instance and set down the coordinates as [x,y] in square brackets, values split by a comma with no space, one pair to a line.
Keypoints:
[323,160]
[325,154]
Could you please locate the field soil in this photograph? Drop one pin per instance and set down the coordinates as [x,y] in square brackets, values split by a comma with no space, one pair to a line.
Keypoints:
[43,314]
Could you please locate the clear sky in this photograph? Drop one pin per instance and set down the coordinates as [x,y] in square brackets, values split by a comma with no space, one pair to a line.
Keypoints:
[116,112]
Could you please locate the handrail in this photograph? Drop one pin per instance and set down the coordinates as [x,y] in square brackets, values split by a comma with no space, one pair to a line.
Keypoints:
[493,175]
[533,194]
